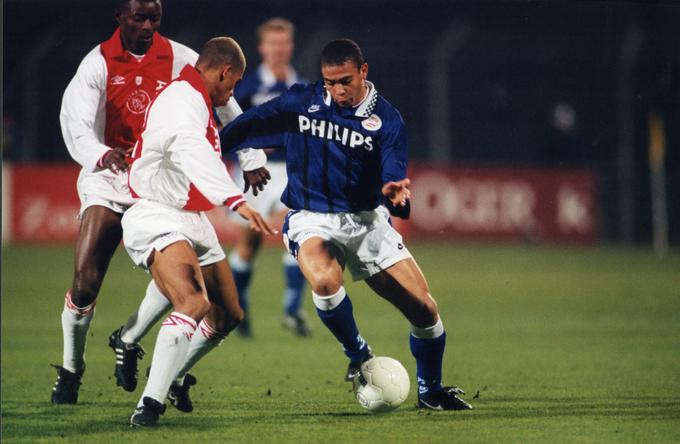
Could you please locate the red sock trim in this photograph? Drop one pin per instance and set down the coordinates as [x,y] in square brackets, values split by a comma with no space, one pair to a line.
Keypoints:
[78,311]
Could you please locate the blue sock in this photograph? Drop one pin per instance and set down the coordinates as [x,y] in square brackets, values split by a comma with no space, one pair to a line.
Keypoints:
[429,354]
[295,284]
[242,272]
[340,321]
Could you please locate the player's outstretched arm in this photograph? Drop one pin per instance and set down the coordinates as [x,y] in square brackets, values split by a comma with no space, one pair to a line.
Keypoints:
[257,222]
[398,192]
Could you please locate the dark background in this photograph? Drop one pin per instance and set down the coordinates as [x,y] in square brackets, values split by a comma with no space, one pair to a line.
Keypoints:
[505,67]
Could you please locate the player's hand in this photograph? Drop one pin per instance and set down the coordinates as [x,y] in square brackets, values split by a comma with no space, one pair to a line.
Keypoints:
[257,222]
[397,192]
[115,160]
[256,179]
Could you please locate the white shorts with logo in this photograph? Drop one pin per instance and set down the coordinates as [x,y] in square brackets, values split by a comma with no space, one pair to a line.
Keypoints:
[149,226]
[367,240]
[104,188]
[268,201]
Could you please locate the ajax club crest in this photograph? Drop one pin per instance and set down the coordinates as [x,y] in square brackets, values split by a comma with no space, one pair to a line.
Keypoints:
[138,101]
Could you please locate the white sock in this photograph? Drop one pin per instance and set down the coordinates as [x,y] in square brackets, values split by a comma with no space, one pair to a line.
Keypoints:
[205,339]
[329,302]
[237,263]
[151,310]
[75,321]
[432,332]
[171,349]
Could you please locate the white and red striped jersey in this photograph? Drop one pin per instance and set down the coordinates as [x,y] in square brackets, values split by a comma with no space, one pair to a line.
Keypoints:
[104,104]
[177,160]
[103,107]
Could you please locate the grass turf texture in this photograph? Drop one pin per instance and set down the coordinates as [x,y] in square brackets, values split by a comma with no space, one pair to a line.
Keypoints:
[551,345]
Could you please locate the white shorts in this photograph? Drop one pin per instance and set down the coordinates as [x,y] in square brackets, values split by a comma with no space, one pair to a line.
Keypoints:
[267,202]
[149,226]
[367,240]
[105,189]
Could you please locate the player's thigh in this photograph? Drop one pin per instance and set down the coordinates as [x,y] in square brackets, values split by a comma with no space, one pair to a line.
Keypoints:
[99,236]
[225,311]
[176,271]
[404,285]
[321,262]
[249,243]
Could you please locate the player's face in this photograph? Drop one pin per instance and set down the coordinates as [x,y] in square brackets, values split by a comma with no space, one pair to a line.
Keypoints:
[224,88]
[276,47]
[138,23]
[345,83]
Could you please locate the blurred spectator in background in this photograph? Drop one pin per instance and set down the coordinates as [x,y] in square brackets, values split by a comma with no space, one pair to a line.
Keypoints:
[271,78]
[562,147]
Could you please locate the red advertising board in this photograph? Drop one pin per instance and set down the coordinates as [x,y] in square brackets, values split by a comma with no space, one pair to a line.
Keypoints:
[43,203]
[503,203]
[40,204]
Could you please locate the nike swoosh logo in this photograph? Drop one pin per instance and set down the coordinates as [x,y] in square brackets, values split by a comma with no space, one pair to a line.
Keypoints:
[438,407]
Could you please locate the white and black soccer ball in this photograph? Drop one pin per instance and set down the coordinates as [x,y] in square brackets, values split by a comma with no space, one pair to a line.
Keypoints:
[382,385]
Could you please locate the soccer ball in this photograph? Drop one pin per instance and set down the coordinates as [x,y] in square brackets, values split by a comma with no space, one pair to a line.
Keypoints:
[383,384]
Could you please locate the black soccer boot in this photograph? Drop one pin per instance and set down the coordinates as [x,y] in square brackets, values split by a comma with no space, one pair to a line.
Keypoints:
[178,395]
[126,361]
[65,390]
[297,323]
[444,399]
[354,368]
[244,329]
[147,415]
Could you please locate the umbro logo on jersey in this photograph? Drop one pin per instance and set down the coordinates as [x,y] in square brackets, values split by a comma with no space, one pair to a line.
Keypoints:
[313,108]
[118,80]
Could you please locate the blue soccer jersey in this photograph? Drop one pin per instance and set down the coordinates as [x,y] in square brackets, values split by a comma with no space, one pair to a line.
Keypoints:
[337,158]
[260,86]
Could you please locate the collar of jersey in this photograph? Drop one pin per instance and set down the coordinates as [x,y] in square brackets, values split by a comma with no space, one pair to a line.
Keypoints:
[120,51]
[191,75]
[363,110]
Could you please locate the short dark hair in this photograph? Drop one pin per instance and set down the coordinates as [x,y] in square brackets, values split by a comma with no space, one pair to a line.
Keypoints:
[122,5]
[220,51]
[339,51]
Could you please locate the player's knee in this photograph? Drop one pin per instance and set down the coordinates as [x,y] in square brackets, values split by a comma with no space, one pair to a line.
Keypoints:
[426,313]
[200,308]
[192,302]
[230,320]
[325,284]
[85,287]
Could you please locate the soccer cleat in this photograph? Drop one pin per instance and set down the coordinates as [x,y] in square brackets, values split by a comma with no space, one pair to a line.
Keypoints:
[147,415]
[65,390]
[178,395]
[243,328]
[126,360]
[354,368]
[297,323]
[444,399]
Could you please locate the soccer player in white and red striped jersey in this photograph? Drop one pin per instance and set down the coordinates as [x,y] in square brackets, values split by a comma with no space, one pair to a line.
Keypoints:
[101,117]
[178,174]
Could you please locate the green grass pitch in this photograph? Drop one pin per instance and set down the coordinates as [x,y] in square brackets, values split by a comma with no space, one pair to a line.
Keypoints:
[551,345]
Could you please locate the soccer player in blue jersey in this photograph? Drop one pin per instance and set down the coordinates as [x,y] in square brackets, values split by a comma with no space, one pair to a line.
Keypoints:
[346,157]
[271,78]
